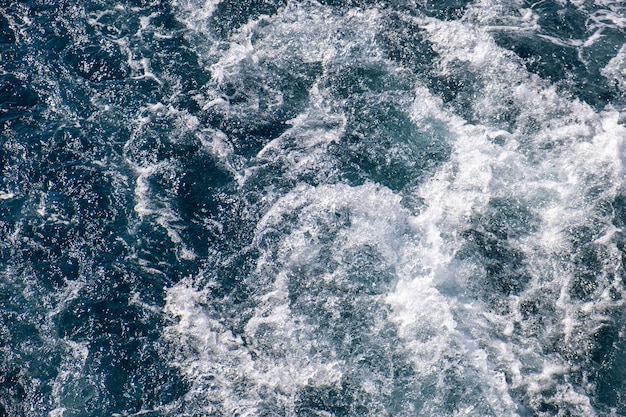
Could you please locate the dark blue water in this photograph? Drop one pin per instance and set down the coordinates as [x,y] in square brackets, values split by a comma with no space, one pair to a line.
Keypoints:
[312,208]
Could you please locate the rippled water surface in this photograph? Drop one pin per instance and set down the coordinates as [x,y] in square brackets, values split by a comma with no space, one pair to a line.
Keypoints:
[312,208]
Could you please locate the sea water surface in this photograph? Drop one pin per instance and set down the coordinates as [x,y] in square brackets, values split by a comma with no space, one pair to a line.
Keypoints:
[312,208]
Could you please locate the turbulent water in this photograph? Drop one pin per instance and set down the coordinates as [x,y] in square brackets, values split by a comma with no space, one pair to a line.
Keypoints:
[312,208]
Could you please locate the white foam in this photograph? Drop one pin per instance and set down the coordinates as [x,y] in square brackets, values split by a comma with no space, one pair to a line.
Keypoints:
[549,161]
[69,378]
[140,66]
[299,33]
[6,195]
[146,166]
[57,412]
[280,339]
[214,359]
[196,13]
[609,14]
[277,355]
[616,68]
[553,169]
[165,215]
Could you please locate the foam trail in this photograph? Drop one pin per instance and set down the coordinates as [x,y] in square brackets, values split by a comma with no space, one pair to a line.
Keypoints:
[544,176]
[469,287]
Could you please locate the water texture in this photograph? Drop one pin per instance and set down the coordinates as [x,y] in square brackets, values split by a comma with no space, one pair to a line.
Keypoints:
[312,208]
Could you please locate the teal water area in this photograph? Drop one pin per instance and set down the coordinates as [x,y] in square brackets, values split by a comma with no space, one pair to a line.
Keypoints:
[312,208]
